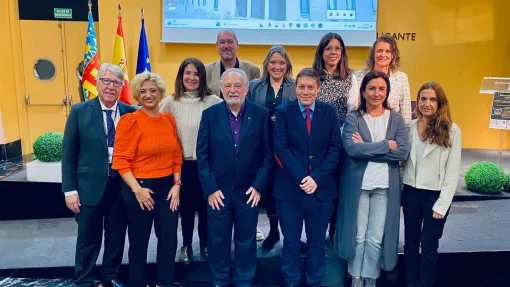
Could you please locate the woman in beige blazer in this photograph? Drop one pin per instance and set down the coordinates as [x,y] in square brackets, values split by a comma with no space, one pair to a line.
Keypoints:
[430,180]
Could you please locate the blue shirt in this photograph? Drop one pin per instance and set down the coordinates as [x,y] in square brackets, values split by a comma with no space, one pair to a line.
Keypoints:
[235,122]
[312,108]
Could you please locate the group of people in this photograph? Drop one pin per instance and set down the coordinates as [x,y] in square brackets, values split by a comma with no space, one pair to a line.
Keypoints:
[332,149]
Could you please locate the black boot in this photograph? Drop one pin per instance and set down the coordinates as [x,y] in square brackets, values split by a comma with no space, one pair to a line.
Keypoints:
[274,234]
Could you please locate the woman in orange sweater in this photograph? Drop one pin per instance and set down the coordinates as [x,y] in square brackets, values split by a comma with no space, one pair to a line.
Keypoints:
[148,156]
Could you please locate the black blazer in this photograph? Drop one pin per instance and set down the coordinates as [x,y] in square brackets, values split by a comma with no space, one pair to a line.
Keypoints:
[258,91]
[84,151]
[234,170]
[296,150]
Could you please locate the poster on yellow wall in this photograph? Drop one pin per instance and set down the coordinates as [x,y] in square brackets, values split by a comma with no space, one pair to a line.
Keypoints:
[500,115]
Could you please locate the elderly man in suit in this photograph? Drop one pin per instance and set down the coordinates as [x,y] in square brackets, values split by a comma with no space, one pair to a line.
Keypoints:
[307,144]
[234,161]
[92,189]
[227,46]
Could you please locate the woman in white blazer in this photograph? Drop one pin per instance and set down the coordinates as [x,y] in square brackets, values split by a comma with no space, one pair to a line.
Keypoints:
[430,180]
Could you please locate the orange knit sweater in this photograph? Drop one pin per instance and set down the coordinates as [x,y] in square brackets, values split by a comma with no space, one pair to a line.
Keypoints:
[147,146]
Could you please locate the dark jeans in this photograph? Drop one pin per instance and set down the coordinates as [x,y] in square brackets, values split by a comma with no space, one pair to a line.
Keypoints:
[417,206]
[109,214]
[192,201]
[139,231]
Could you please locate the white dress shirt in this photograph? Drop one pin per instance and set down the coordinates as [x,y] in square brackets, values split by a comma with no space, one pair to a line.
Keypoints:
[116,118]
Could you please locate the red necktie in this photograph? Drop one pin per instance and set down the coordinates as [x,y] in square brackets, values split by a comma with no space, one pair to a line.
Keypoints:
[308,121]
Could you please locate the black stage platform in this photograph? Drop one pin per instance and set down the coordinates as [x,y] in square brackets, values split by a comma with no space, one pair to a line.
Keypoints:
[38,237]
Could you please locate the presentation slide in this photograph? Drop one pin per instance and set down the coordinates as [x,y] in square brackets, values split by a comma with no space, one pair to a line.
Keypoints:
[270,22]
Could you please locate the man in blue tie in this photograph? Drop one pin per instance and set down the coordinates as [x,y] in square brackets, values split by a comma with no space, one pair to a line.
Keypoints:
[92,189]
[307,144]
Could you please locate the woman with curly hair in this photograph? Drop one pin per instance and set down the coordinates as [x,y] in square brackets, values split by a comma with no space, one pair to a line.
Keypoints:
[430,180]
[385,57]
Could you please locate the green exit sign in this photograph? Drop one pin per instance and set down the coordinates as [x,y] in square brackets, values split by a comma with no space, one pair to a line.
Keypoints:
[63,13]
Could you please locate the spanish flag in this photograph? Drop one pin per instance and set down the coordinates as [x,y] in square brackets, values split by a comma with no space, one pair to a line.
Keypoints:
[119,58]
[90,61]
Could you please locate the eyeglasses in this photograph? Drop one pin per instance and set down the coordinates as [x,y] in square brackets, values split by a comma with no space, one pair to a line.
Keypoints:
[107,82]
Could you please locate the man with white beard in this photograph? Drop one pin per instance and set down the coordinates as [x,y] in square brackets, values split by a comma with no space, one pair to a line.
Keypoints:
[235,160]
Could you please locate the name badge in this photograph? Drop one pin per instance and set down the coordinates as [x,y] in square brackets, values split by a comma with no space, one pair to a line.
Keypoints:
[110,154]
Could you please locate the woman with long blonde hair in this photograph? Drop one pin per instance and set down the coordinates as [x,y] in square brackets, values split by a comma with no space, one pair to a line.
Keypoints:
[430,180]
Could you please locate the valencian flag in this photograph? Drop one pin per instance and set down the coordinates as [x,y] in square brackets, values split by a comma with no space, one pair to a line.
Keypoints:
[143,64]
[90,61]
[119,58]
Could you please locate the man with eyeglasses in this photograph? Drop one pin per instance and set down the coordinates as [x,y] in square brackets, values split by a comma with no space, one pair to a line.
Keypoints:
[92,189]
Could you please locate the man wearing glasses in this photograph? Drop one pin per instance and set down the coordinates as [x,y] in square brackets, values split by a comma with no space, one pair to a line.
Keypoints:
[92,189]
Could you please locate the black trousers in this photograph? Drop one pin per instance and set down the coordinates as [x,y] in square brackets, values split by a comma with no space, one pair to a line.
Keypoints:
[417,206]
[109,214]
[139,230]
[316,215]
[243,218]
[192,201]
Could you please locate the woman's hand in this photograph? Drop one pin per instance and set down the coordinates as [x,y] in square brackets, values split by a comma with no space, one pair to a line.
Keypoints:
[356,137]
[437,215]
[173,196]
[143,195]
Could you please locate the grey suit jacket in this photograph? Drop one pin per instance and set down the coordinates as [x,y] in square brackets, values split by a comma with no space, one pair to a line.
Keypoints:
[258,91]
[213,74]
[84,151]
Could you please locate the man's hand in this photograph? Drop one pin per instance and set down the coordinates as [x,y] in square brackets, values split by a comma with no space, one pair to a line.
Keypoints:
[73,203]
[174,197]
[254,197]
[215,200]
[308,185]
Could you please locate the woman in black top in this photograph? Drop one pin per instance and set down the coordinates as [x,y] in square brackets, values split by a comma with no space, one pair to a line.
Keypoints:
[275,86]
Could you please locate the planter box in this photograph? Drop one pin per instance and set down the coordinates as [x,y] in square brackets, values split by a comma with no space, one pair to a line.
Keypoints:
[44,171]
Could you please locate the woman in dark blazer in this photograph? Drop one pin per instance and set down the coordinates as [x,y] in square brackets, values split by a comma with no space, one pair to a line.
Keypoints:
[274,88]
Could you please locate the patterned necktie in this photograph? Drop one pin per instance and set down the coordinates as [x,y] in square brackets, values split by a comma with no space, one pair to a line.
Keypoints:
[110,127]
[308,121]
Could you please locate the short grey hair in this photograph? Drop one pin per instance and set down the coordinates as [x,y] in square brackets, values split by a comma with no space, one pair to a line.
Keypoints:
[234,70]
[227,30]
[112,68]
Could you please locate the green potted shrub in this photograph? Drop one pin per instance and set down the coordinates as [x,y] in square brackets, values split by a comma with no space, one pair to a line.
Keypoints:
[485,177]
[46,166]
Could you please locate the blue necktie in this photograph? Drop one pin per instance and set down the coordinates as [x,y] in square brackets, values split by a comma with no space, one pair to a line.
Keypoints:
[110,127]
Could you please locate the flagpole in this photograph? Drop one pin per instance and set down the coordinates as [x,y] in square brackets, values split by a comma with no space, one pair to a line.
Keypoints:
[142,12]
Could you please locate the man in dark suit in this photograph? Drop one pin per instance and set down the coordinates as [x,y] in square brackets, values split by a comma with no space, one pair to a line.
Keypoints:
[307,143]
[234,161]
[92,189]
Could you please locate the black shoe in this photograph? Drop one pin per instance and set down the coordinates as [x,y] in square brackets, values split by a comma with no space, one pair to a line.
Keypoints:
[204,252]
[303,247]
[271,240]
[112,283]
[186,256]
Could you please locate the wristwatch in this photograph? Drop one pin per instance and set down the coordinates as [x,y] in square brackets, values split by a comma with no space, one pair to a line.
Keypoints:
[177,182]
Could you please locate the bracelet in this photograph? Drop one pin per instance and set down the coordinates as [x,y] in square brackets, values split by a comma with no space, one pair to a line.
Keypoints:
[177,182]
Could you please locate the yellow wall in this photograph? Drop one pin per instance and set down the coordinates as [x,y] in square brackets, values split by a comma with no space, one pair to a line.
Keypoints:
[8,105]
[458,42]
